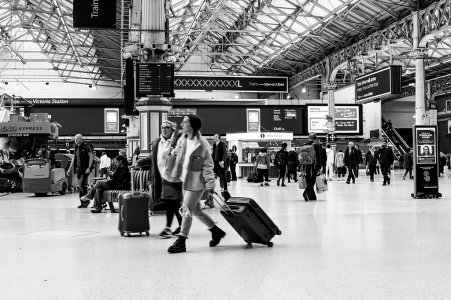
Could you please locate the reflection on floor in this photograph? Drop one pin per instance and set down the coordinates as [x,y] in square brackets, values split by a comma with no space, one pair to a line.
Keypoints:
[359,241]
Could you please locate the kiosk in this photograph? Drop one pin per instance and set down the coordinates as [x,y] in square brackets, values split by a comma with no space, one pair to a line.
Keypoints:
[245,164]
[425,161]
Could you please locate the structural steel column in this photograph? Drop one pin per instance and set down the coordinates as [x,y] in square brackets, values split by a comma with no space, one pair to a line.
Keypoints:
[152,109]
[420,54]
[331,86]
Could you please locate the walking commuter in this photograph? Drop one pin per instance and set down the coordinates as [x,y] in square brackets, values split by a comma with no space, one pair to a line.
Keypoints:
[165,188]
[292,165]
[83,163]
[233,158]
[105,163]
[371,161]
[194,167]
[280,162]
[359,160]
[442,163]
[120,180]
[350,160]
[339,164]
[262,164]
[329,162]
[386,159]
[408,163]
[219,159]
[312,170]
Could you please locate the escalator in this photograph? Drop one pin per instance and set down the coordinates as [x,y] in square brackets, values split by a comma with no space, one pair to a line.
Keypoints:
[396,139]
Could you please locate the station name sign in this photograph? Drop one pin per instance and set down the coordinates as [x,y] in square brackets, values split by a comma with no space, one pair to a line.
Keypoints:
[232,83]
[75,102]
[378,84]
[94,14]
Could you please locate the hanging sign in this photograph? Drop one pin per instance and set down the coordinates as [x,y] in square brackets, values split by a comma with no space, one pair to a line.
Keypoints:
[377,84]
[94,14]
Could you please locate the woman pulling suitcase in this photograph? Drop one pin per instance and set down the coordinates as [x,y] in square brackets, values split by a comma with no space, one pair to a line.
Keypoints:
[194,167]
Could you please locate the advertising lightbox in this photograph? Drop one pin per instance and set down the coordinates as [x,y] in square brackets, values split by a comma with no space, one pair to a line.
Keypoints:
[347,119]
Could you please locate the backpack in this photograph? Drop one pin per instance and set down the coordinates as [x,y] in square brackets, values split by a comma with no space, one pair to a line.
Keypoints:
[307,155]
[339,159]
[281,158]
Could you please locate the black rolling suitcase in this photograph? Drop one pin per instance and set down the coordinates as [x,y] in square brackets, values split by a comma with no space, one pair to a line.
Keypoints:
[133,212]
[248,219]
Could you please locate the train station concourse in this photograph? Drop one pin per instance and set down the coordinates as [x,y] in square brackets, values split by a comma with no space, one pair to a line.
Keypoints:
[225,149]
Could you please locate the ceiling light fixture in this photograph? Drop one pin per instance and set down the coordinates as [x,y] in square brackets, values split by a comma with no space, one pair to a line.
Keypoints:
[304,90]
[237,95]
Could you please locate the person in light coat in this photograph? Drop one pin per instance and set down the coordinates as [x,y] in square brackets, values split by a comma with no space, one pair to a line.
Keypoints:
[194,167]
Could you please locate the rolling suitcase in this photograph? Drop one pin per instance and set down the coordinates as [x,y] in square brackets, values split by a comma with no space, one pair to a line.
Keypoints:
[133,212]
[248,219]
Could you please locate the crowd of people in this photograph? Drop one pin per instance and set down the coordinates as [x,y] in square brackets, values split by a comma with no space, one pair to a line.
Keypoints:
[184,168]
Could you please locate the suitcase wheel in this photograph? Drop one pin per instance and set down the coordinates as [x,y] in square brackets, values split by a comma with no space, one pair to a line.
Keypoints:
[147,233]
[270,244]
[140,233]
[122,233]
[128,234]
[279,232]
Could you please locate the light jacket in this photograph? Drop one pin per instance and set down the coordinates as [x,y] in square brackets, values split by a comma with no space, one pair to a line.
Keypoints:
[199,173]
[263,161]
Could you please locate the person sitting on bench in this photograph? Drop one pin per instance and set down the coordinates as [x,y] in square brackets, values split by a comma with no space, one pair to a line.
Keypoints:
[119,181]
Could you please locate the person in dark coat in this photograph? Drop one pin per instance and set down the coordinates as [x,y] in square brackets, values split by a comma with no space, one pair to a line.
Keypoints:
[408,163]
[220,160]
[292,165]
[386,158]
[350,161]
[233,159]
[119,181]
[311,171]
[371,161]
[359,157]
[280,161]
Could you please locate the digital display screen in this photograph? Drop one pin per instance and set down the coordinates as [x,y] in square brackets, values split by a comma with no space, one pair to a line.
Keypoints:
[154,79]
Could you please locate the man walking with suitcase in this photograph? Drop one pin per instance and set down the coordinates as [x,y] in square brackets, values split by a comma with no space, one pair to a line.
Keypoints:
[313,169]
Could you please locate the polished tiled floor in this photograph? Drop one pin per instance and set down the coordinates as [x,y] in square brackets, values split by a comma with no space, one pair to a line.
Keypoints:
[361,241]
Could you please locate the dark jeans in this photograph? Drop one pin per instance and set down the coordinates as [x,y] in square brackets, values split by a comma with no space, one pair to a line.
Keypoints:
[282,171]
[262,175]
[408,170]
[172,209]
[310,177]
[295,176]
[341,172]
[356,171]
[83,183]
[221,173]
[233,171]
[372,169]
[97,192]
[385,168]
[351,174]
[377,169]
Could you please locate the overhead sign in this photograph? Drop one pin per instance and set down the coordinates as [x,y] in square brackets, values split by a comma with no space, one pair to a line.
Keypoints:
[75,102]
[347,119]
[94,14]
[260,136]
[377,84]
[154,79]
[232,83]
[27,128]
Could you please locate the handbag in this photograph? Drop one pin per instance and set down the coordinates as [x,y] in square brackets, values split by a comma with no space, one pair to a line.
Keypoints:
[321,184]
[302,181]
[170,161]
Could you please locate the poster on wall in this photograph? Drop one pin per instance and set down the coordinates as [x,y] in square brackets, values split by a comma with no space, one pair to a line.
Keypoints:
[426,152]
[347,119]
[111,120]
[253,120]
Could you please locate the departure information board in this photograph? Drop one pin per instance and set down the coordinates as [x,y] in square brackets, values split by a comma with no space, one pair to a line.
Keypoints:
[154,79]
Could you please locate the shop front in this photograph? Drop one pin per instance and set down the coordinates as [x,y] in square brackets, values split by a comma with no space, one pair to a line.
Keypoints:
[248,144]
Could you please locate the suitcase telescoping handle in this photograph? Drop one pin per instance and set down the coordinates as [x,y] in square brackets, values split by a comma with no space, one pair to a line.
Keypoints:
[221,202]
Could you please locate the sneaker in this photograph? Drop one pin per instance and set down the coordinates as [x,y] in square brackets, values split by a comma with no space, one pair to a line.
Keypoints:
[283,184]
[176,231]
[85,198]
[166,233]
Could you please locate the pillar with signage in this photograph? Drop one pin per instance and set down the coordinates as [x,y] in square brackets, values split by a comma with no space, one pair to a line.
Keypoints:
[425,162]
